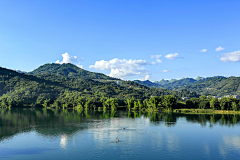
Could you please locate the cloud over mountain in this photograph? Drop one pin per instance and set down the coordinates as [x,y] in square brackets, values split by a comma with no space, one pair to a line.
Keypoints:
[69,59]
[122,68]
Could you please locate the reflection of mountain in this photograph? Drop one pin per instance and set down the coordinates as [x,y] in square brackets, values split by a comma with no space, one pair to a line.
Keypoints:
[65,123]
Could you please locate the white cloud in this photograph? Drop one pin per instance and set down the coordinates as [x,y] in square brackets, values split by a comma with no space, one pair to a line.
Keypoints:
[231,57]
[159,60]
[145,78]
[165,71]
[122,68]
[219,48]
[157,57]
[80,66]
[69,59]
[154,63]
[203,50]
[172,56]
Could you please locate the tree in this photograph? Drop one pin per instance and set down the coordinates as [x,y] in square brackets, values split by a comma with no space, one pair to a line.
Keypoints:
[114,104]
[87,104]
[107,104]
[234,106]
[46,103]
[81,102]
[154,102]
[170,101]
[213,103]
[140,105]
[130,102]
[135,105]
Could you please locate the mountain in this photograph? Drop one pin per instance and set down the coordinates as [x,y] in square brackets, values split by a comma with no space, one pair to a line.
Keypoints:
[19,71]
[176,84]
[173,84]
[216,86]
[19,89]
[148,83]
[69,70]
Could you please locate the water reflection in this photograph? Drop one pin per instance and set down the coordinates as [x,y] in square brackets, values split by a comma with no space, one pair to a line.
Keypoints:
[172,142]
[55,122]
[229,143]
[146,133]
[63,141]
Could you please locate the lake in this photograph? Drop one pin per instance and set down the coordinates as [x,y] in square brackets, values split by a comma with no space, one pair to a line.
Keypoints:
[34,133]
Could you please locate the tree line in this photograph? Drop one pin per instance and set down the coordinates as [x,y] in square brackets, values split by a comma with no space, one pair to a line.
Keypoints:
[209,102]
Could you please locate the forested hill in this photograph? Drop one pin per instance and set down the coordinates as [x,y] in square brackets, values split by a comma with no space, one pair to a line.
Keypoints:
[168,84]
[215,86]
[17,89]
[149,84]
[70,70]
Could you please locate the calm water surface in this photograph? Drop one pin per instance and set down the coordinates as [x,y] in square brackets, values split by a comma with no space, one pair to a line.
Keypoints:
[76,134]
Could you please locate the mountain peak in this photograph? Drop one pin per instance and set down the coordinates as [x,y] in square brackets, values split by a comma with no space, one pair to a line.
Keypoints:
[69,70]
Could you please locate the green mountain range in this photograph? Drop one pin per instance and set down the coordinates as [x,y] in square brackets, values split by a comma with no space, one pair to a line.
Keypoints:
[66,83]
[215,86]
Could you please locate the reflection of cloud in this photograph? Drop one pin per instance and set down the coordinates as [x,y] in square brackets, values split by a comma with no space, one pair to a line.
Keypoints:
[229,143]
[232,142]
[207,149]
[107,131]
[63,141]
[172,142]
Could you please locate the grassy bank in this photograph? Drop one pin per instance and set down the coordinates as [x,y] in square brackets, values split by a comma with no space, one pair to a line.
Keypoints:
[205,111]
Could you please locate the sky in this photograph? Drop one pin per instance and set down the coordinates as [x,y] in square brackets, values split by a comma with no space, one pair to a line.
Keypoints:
[127,39]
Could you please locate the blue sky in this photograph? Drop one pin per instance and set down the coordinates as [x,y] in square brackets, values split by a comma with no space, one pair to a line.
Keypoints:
[128,39]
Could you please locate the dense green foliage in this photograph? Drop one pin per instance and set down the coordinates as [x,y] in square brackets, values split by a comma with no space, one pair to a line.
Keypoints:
[69,70]
[45,90]
[175,84]
[203,102]
[215,86]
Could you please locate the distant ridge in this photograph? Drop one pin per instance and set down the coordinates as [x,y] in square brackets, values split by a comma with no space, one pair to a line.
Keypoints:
[216,86]
[69,70]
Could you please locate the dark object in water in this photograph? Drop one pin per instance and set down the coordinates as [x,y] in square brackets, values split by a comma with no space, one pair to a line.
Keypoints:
[117,140]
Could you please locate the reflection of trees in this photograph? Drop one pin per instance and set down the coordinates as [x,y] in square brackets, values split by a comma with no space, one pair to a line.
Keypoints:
[47,122]
[221,119]
[54,122]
